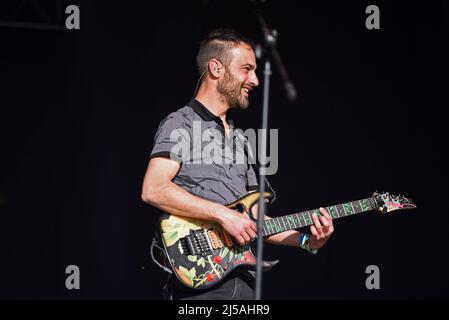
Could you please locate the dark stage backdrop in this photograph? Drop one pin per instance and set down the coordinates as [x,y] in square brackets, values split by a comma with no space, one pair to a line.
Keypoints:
[79,110]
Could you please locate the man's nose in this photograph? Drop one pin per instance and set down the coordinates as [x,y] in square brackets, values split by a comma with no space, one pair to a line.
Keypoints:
[254,80]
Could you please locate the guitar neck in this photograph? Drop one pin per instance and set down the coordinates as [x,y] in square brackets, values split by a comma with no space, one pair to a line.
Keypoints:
[304,219]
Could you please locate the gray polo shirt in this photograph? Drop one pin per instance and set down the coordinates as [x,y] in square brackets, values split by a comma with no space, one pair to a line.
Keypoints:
[213,166]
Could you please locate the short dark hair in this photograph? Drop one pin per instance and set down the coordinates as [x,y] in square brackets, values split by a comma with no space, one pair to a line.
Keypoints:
[216,46]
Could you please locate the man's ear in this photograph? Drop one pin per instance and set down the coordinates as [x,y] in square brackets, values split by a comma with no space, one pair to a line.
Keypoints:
[215,67]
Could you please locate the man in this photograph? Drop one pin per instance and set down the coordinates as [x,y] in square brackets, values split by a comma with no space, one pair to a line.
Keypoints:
[201,189]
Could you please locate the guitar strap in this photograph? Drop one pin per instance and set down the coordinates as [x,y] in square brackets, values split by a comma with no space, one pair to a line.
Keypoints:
[255,167]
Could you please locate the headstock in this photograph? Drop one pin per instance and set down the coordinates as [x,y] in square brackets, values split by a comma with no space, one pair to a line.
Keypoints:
[387,203]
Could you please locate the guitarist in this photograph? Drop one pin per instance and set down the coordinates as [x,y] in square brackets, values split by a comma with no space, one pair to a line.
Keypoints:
[181,186]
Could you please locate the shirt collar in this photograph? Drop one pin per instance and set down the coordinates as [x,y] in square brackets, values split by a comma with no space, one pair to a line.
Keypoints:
[205,114]
[201,110]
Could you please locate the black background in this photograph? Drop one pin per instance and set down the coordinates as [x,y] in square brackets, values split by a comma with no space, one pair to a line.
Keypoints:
[79,110]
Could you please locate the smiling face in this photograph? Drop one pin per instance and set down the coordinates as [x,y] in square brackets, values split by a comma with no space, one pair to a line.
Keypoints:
[239,77]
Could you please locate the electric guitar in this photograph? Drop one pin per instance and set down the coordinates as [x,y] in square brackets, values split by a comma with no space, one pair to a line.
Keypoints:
[201,253]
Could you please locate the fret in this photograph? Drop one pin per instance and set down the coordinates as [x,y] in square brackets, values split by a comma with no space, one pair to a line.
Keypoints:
[333,212]
[303,217]
[365,205]
[298,219]
[307,218]
[302,222]
[347,208]
[340,210]
[298,222]
[352,206]
[279,219]
[278,226]
[270,226]
[265,228]
[356,206]
[289,225]
[286,222]
[283,227]
[311,212]
[291,222]
[283,222]
[273,226]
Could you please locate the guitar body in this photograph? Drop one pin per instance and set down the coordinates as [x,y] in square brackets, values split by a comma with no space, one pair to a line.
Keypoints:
[202,253]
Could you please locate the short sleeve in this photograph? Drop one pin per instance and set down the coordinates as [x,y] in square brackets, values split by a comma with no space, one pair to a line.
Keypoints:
[172,138]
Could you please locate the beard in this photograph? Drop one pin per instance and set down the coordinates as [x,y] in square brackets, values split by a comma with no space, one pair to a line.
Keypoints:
[230,89]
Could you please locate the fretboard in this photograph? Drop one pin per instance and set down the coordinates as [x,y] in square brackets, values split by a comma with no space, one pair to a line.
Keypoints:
[304,219]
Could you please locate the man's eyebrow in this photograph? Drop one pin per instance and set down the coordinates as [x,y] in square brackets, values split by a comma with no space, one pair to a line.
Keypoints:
[249,65]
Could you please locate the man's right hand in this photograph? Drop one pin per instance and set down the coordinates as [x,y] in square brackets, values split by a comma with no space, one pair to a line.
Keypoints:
[159,191]
[238,225]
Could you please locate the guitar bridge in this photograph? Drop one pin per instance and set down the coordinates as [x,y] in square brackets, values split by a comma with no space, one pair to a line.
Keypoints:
[197,243]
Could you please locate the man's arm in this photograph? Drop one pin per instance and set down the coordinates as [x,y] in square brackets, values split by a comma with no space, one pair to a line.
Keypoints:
[159,191]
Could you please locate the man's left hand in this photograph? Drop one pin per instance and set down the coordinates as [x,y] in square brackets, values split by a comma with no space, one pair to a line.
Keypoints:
[321,230]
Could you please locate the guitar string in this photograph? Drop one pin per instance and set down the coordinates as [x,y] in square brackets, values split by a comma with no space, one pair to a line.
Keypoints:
[303,213]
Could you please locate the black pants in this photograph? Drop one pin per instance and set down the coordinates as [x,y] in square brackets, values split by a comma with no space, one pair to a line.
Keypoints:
[238,286]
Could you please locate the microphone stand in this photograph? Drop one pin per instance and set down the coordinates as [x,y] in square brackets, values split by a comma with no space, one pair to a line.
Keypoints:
[270,37]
